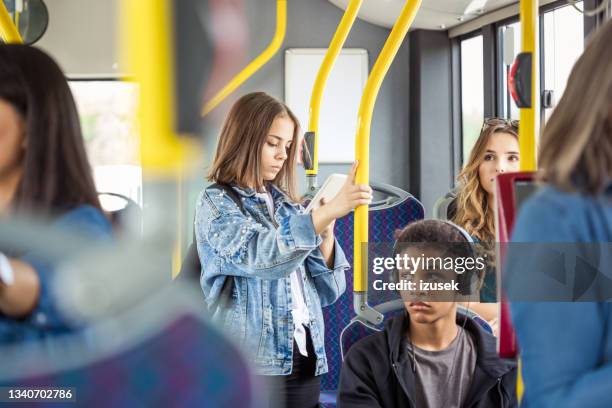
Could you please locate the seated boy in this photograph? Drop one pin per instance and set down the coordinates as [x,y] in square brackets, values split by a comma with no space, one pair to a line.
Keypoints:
[430,356]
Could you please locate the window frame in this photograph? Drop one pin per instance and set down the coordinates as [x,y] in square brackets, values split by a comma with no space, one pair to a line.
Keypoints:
[499,86]
[493,97]
[140,197]
[457,139]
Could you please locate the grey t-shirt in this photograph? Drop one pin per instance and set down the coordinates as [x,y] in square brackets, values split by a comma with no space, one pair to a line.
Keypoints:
[443,378]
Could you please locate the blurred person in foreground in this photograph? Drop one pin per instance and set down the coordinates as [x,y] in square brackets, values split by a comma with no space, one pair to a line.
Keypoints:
[566,347]
[44,173]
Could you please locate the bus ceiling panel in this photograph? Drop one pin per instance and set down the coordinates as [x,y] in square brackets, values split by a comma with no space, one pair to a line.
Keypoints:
[433,14]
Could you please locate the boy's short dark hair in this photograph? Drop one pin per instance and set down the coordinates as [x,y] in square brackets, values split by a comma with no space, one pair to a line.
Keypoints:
[431,234]
[440,236]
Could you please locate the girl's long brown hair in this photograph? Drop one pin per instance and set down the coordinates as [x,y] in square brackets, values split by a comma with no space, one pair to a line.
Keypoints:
[238,157]
[473,212]
[576,148]
[56,173]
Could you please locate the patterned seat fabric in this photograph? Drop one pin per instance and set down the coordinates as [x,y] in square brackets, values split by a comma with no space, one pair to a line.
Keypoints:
[382,225]
[186,365]
[356,331]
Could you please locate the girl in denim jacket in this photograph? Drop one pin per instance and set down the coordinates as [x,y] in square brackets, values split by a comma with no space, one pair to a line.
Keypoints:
[281,266]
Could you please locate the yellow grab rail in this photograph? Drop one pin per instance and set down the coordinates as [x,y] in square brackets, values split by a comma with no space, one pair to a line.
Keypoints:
[326,66]
[147,25]
[8,31]
[362,142]
[528,126]
[273,47]
[529,123]
[147,30]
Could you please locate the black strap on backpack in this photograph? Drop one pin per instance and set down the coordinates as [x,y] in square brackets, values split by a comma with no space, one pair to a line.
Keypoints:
[191,267]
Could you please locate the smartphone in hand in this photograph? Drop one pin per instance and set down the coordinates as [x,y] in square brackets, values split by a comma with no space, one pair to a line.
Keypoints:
[328,190]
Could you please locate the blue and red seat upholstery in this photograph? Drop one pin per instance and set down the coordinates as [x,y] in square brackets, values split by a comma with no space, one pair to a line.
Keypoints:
[382,225]
[185,364]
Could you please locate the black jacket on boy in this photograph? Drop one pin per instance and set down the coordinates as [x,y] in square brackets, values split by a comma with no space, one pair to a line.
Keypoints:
[378,372]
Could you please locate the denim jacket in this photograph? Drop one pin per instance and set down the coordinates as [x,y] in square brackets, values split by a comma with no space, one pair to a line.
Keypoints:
[566,346]
[46,320]
[259,254]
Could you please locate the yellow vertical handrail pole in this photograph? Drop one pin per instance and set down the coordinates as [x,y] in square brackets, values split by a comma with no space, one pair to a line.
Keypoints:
[335,46]
[528,126]
[147,24]
[529,123]
[147,29]
[362,152]
[265,56]
[8,31]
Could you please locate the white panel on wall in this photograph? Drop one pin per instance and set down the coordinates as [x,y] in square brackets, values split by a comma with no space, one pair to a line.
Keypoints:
[341,97]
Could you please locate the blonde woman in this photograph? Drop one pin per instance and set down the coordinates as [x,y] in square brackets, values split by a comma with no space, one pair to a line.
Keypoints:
[496,151]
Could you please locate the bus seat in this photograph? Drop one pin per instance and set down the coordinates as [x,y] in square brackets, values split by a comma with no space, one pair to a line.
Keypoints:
[476,317]
[357,329]
[445,207]
[122,211]
[386,216]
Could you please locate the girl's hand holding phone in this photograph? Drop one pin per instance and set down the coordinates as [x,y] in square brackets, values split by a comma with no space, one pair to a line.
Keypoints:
[348,198]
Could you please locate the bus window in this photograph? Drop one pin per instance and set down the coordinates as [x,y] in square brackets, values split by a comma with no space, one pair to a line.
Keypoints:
[472,91]
[107,110]
[509,109]
[563,44]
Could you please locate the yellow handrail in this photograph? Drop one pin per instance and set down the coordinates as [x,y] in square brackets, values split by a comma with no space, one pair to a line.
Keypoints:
[529,123]
[8,31]
[326,66]
[529,116]
[146,25]
[362,142]
[273,47]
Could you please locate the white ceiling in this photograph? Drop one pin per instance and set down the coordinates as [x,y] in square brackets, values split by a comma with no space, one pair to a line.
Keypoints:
[433,14]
